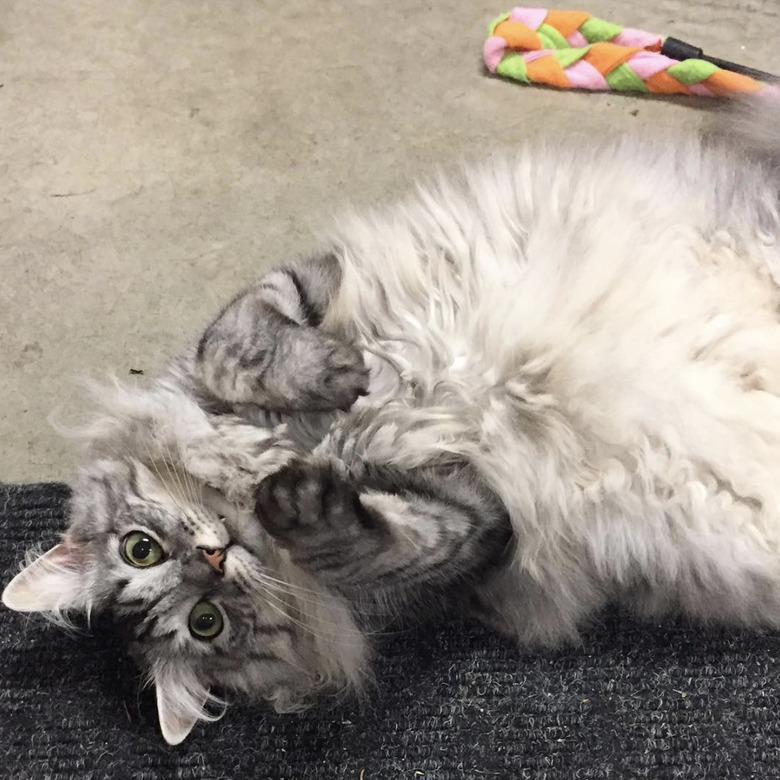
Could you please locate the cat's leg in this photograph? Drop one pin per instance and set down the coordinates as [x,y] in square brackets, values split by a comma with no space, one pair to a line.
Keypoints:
[266,346]
[390,532]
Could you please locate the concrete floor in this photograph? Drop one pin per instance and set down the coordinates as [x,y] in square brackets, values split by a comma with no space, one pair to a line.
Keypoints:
[156,156]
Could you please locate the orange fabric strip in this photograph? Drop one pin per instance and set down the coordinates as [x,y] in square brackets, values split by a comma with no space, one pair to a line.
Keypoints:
[724,82]
[607,56]
[518,36]
[566,22]
[664,84]
[547,70]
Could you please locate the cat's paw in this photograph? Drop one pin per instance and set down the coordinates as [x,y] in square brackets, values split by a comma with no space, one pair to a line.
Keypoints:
[292,369]
[319,373]
[310,504]
[233,457]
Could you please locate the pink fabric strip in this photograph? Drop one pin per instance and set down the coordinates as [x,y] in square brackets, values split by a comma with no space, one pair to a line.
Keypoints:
[530,17]
[700,90]
[582,75]
[631,37]
[530,56]
[577,40]
[493,51]
[648,63]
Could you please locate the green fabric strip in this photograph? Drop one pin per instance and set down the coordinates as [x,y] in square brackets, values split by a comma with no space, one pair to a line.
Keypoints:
[513,66]
[551,38]
[597,30]
[691,71]
[568,57]
[624,79]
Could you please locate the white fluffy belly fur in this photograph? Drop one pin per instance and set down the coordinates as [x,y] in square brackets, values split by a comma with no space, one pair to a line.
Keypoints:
[596,329]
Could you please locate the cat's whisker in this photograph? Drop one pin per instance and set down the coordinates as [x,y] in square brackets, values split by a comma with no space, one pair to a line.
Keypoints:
[269,590]
[173,472]
[309,595]
[281,598]
[153,463]
[275,599]
[194,491]
[284,613]
[195,487]
[298,588]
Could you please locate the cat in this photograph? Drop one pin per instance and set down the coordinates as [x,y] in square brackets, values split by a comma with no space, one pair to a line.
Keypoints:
[549,384]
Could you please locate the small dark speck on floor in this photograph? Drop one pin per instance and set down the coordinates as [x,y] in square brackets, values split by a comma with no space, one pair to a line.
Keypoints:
[136,372]
[635,112]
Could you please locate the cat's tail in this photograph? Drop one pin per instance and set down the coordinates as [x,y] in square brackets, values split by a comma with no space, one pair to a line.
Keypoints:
[753,125]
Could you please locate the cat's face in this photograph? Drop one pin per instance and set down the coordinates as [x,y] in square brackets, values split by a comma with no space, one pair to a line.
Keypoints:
[205,598]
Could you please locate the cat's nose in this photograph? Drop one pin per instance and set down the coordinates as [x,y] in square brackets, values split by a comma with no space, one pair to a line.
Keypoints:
[215,558]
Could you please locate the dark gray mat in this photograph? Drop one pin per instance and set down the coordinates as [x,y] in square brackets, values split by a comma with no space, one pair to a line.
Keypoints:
[635,701]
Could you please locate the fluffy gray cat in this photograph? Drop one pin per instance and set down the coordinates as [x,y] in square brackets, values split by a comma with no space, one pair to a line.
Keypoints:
[552,384]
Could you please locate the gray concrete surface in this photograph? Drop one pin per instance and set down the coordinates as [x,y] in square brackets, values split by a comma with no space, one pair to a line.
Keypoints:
[155,156]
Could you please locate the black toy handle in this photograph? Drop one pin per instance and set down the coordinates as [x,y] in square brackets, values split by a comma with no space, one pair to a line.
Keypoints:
[680,50]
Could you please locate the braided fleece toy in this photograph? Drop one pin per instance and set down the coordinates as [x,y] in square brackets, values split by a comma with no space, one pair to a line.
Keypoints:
[574,50]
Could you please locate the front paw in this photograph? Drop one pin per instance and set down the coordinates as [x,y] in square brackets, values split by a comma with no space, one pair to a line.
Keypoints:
[320,373]
[310,504]
[232,456]
[281,366]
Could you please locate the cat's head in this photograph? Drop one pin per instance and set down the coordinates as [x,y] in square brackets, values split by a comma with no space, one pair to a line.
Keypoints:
[203,595]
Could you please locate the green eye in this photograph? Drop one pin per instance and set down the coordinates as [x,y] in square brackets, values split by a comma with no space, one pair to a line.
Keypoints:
[139,549]
[205,621]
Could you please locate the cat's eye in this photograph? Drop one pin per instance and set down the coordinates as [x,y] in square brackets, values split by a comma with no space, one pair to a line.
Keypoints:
[140,550]
[205,621]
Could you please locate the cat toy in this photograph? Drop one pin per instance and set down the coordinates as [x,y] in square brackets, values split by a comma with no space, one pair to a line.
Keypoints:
[575,50]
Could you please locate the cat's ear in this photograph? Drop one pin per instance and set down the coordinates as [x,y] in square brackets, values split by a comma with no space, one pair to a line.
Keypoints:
[181,702]
[52,582]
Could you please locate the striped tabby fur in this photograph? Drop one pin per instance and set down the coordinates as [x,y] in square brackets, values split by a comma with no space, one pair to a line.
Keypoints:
[550,385]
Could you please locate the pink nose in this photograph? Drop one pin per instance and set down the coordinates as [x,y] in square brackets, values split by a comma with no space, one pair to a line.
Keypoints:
[215,558]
